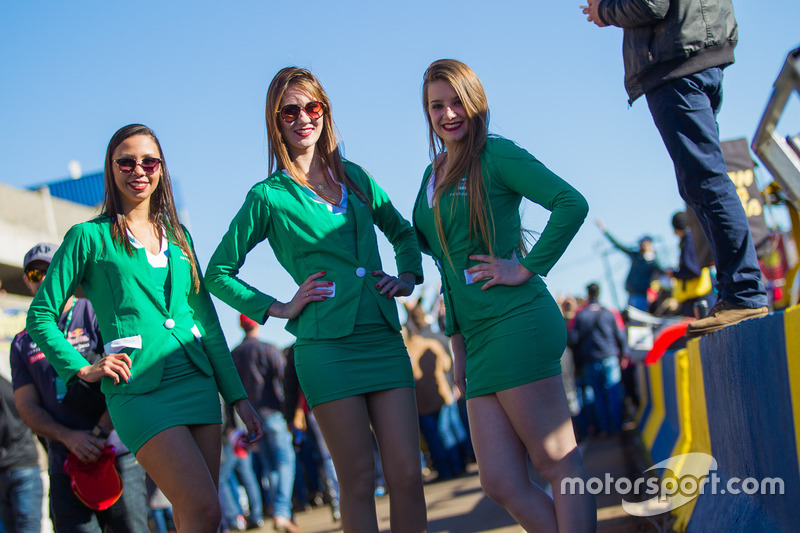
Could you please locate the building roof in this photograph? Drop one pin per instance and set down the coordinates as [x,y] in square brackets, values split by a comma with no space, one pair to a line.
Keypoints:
[86,190]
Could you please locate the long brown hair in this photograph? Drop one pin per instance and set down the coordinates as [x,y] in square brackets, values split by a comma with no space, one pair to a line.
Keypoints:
[162,203]
[327,147]
[465,160]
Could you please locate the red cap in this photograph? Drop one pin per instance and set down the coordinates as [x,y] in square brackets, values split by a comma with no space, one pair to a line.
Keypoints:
[247,323]
[98,485]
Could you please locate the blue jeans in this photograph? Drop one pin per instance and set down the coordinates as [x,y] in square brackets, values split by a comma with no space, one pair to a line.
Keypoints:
[429,427]
[233,471]
[328,470]
[127,515]
[278,460]
[685,113]
[605,379]
[21,494]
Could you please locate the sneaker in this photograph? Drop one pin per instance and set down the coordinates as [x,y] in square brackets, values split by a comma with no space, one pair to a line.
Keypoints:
[722,315]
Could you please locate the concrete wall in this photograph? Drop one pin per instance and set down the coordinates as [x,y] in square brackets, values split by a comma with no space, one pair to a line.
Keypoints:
[28,217]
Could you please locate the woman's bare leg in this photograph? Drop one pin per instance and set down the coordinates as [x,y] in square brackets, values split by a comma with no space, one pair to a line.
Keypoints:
[184,463]
[532,418]
[393,413]
[345,426]
[501,457]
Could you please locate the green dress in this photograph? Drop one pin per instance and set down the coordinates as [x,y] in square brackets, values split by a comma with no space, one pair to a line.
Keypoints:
[514,335]
[370,359]
[186,396]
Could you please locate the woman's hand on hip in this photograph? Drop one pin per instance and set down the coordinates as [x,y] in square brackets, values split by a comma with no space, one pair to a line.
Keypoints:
[116,366]
[498,271]
[391,286]
[311,290]
[251,420]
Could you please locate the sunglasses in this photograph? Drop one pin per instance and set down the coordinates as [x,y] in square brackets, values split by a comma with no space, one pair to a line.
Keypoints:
[35,275]
[148,164]
[290,112]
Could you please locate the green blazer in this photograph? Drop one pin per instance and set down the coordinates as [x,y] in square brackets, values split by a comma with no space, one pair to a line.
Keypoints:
[304,236]
[510,173]
[127,304]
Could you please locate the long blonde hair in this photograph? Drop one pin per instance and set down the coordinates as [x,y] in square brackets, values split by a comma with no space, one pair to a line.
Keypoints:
[327,147]
[465,160]
[162,203]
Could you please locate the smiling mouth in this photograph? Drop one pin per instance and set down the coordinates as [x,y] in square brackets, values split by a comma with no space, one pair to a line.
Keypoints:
[452,126]
[138,185]
[305,132]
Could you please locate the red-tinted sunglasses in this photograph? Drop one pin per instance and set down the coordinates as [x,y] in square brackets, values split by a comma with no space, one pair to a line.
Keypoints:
[290,112]
[148,164]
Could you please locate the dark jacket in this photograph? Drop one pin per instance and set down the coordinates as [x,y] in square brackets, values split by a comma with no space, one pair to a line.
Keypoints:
[595,335]
[669,39]
[260,366]
[643,270]
[688,265]
[17,448]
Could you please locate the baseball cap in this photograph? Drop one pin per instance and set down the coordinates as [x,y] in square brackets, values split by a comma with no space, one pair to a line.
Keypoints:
[98,485]
[41,252]
[247,323]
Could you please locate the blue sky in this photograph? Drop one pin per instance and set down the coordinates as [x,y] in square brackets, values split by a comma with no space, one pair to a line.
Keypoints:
[197,73]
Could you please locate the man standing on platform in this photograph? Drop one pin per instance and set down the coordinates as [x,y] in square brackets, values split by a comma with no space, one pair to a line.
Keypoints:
[674,53]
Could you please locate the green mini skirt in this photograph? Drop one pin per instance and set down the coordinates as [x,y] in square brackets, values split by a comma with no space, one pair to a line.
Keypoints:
[372,358]
[524,346]
[185,397]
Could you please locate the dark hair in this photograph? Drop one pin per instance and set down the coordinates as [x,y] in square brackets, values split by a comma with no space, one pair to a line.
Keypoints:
[680,220]
[593,290]
[162,203]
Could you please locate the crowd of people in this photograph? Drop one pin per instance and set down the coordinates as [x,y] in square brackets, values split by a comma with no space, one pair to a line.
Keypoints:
[135,375]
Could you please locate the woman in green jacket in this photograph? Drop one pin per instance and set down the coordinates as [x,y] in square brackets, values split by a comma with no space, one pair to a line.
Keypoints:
[318,213]
[507,332]
[166,359]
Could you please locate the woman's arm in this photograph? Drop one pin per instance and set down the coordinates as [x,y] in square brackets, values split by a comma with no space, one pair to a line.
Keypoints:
[65,273]
[227,377]
[523,174]
[248,228]
[398,231]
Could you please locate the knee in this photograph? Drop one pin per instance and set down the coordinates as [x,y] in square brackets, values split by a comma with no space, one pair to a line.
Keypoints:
[357,479]
[212,514]
[554,470]
[499,486]
[204,515]
[405,476]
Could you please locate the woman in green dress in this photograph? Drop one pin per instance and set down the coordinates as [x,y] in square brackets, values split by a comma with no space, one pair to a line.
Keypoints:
[507,332]
[318,212]
[166,359]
